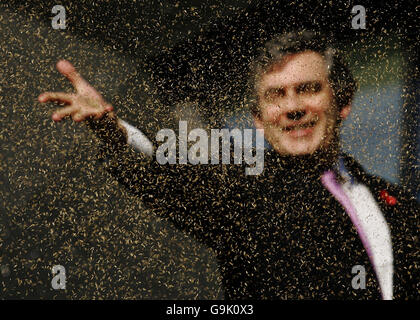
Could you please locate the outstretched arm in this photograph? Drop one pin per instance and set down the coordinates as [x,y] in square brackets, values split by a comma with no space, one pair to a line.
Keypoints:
[180,193]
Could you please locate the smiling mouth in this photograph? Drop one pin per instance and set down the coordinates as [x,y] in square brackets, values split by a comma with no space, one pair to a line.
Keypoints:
[306,125]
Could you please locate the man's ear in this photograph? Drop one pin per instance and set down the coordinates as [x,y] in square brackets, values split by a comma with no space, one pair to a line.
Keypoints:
[345,112]
[258,123]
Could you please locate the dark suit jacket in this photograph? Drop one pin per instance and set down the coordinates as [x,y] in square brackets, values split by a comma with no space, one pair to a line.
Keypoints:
[279,235]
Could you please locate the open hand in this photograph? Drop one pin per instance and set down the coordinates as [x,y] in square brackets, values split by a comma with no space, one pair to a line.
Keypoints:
[86,103]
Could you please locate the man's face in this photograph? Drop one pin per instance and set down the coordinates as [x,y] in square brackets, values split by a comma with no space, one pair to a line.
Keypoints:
[298,113]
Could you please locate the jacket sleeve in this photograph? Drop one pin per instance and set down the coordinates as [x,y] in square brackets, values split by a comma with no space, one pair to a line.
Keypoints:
[187,194]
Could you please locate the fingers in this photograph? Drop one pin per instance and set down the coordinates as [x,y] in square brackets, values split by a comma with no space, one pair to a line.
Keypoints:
[79,114]
[109,108]
[64,112]
[56,97]
[69,71]
[85,114]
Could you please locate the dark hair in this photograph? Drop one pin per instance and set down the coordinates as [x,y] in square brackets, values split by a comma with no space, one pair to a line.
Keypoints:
[340,77]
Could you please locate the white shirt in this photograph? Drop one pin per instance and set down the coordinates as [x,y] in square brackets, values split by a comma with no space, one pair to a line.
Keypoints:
[376,230]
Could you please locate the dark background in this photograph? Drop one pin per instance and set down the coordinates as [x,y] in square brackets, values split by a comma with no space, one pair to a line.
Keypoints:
[57,204]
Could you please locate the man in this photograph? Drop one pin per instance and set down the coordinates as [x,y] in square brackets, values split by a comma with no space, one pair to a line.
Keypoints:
[310,220]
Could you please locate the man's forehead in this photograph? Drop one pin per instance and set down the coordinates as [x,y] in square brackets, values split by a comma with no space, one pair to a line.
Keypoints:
[294,69]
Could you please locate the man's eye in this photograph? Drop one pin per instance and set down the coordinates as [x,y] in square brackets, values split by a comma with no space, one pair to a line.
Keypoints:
[273,94]
[309,88]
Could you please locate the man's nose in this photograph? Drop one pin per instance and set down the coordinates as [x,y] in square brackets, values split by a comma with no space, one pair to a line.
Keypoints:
[292,107]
